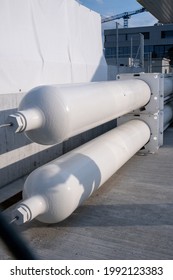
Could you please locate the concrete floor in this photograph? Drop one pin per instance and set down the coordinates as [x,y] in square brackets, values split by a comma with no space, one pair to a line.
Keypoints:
[130,217]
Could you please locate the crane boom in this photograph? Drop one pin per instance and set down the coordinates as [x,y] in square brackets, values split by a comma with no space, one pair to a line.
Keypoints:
[125,16]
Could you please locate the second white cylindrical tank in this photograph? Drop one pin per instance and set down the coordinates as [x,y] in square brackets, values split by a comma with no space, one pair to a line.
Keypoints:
[52,192]
[51,114]
[168,86]
[168,114]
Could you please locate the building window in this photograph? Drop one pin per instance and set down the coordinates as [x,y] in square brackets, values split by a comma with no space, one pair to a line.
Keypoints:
[169,53]
[167,34]
[113,38]
[146,35]
[159,51]
[110,52]
[124,51]
[122,37]
[148,48]
[110,38]
[136,36]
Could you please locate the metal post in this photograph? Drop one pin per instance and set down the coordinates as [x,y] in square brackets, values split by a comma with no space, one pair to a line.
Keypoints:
[141,50]
[150,55]
[131,52]
[117,46]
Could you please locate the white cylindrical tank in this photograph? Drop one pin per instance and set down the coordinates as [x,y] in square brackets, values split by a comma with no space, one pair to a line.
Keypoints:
[168,86]
[52,114]
[168,114]
[52,192]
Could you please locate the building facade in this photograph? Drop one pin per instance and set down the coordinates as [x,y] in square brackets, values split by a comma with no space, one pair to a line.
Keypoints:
[158,44]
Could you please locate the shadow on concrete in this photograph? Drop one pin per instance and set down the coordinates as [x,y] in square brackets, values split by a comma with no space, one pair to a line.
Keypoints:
[127,215]
[120,215]
[114,216]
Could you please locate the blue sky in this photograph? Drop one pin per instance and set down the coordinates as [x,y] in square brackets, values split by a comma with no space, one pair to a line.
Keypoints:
[113,7]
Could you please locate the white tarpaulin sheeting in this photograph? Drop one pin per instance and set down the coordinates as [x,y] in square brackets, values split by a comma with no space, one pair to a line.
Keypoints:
[48,42]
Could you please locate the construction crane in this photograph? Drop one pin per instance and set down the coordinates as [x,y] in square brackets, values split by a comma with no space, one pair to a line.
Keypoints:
[125,16]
